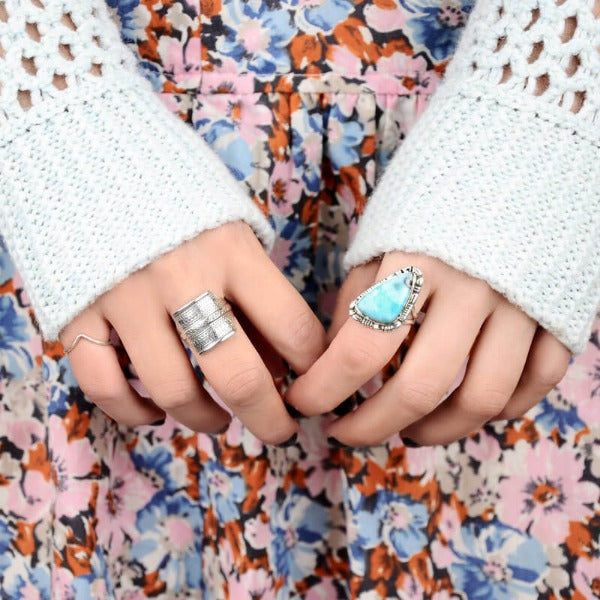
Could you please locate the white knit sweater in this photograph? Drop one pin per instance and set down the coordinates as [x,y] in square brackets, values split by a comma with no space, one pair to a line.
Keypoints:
[500,178]
[494,179]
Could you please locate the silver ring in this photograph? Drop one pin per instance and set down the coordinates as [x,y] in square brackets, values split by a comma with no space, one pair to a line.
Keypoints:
[83,336]
[388,304]
[204,322]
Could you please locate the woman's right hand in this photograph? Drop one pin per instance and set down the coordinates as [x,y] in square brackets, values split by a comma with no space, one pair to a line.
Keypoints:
[231,262]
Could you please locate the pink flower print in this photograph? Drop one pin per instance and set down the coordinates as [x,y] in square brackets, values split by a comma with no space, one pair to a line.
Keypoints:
[413,67]
[581,385]
[545,493]
[484,448]
[258,533]
[182,62]
[325,590]
[23,433]
[344,61]
[238,435]
[71,465]
[587,577]
[420,462]
[33,500]
[119,500]
[284,190]
[255,583]
[245,111]
[384,20]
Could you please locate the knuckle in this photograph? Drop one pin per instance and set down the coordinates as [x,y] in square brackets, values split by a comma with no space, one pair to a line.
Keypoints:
[547,375]
[100,392]
[243,387]
[303,330]
[238,237]
[361,356]
[420,396]
[175,394]
[483,402]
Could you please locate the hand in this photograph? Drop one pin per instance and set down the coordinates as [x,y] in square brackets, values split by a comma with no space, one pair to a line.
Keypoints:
[231,262]
[513,363]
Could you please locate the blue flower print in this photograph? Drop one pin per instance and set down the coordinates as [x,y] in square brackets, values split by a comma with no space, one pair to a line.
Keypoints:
[496,562]
[256,37]
[5,545]
[225,140]
[557,411]
[125,9]
[225,490]
[20,588]
[171,542]
[326,15]
[386,517]
[14,337]
[156,465]
[306,134]
[299,526]
[344,139]
[289,252]
[13,327]
[439,26]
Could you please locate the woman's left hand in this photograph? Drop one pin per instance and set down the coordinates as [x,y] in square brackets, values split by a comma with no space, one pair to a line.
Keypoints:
[512,362]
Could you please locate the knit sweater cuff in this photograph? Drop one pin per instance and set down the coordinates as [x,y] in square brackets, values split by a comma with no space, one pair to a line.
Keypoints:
[102,186]
[505,193]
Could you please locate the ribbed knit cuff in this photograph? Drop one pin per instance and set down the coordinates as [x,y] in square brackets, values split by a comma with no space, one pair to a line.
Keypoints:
[505,194]
[100,188]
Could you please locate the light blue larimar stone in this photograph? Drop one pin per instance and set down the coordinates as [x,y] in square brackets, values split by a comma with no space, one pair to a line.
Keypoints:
[385,302]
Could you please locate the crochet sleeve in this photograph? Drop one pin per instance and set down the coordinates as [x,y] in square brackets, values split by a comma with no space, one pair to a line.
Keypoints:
[97,176]
[500,177]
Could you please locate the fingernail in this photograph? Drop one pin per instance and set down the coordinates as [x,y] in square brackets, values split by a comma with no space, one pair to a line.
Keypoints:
[410,443]
[159,422]
[290,442]
[336,443]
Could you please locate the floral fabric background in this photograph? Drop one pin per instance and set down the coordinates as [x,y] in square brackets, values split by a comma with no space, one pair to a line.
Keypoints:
[305,101]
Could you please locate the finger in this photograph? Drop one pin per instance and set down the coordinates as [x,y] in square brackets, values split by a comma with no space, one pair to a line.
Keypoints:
[236,372]
[439,349]
[160,360]
[268,354]
[495,366]
[358,279]
[353,357]
[99,374]
[276,309]
[546,365]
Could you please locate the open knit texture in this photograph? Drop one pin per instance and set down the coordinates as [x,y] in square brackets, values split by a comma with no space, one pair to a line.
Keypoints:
[78,127]
[500,177]
[508,146]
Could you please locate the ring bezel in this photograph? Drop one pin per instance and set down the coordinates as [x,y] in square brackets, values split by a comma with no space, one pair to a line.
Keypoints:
[408,309]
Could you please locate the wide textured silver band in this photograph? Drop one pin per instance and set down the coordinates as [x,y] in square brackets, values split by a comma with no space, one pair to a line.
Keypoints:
[205,322]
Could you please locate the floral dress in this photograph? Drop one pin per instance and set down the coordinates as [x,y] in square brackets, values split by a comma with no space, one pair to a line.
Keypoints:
[305,101]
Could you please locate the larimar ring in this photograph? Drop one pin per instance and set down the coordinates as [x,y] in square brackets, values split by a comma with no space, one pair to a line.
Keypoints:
[204,322]
[389,303]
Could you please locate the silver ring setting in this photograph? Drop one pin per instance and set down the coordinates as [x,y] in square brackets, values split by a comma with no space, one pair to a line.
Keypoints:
[205,322]
[388,304]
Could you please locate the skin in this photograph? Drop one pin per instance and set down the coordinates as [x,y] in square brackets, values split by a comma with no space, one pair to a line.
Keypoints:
[512,363]
[239,371]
